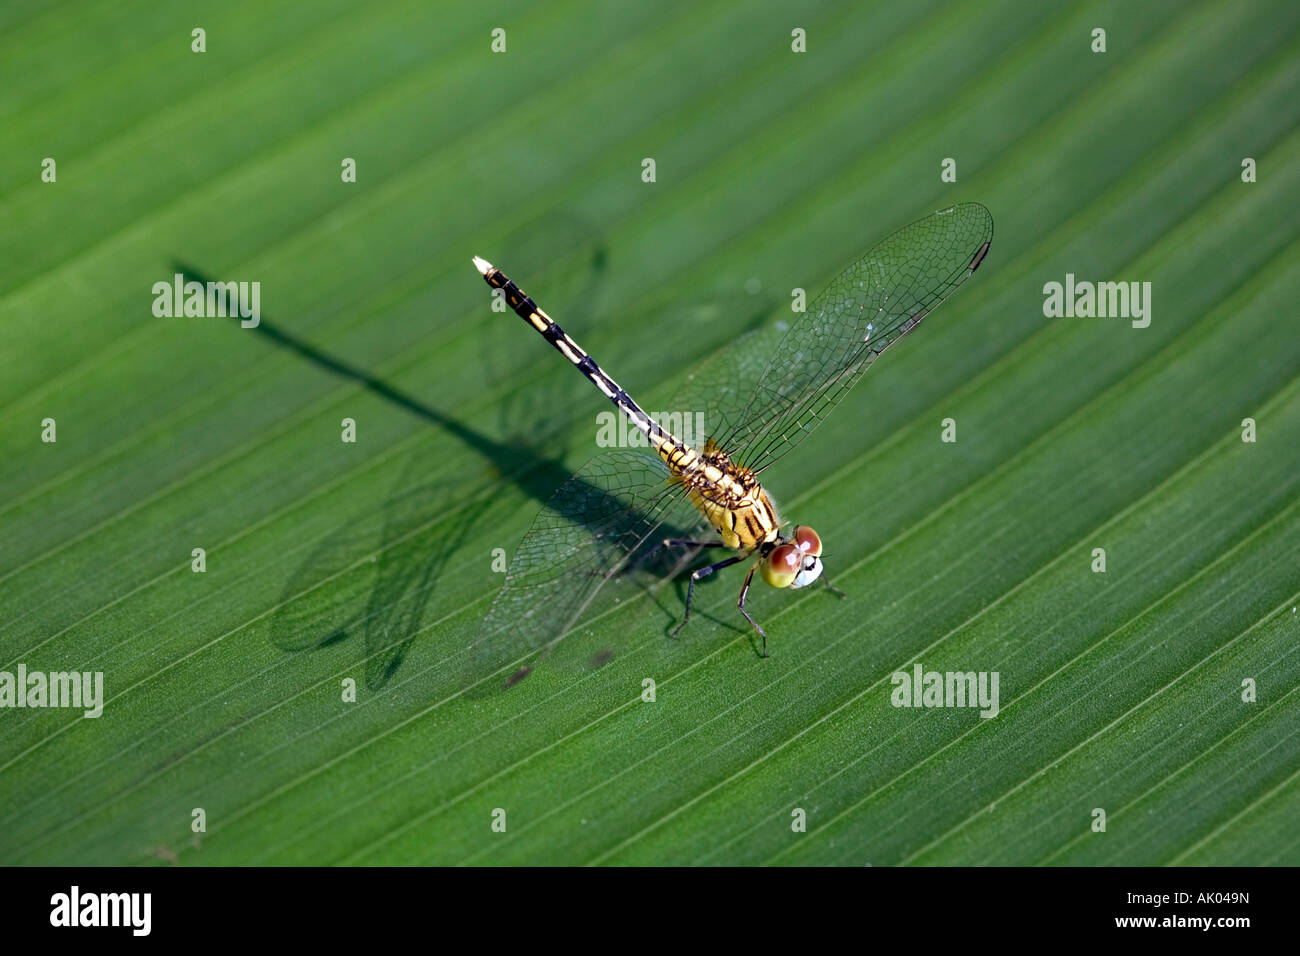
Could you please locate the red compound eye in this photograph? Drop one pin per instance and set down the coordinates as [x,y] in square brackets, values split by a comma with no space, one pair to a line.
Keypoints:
[807,540]
[782,565]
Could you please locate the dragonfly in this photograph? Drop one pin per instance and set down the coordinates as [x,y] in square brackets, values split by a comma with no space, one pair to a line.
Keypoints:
[760,398]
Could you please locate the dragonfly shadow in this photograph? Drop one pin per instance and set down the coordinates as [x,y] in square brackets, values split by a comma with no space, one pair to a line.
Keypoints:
[374,577]
[508,458]
[375,574]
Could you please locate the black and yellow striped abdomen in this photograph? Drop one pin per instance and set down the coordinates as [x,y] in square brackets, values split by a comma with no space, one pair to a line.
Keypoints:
[729,497]
[528,310]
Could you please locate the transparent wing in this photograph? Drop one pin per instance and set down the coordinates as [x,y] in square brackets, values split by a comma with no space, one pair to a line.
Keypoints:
[597,527]
[721,387]
[864,310]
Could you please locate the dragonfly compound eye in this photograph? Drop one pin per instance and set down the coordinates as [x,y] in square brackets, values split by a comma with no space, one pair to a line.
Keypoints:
[807,540]
[782,565]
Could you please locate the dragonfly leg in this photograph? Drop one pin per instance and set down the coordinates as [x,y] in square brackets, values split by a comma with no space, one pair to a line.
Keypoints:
[703,573]
[834,590]
[744,593]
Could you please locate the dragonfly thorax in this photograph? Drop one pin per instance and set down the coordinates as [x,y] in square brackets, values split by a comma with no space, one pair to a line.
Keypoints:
[728,495]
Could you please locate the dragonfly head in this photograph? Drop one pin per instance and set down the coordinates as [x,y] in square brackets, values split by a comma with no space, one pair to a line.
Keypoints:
[796,561]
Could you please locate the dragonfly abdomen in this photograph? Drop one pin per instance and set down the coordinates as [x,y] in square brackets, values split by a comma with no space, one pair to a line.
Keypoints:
[660,439]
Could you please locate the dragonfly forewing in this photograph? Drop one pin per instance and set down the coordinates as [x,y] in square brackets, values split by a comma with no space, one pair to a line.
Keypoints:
[865,309]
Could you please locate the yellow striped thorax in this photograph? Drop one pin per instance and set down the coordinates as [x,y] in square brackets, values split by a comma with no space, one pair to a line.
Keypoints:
[726,494]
